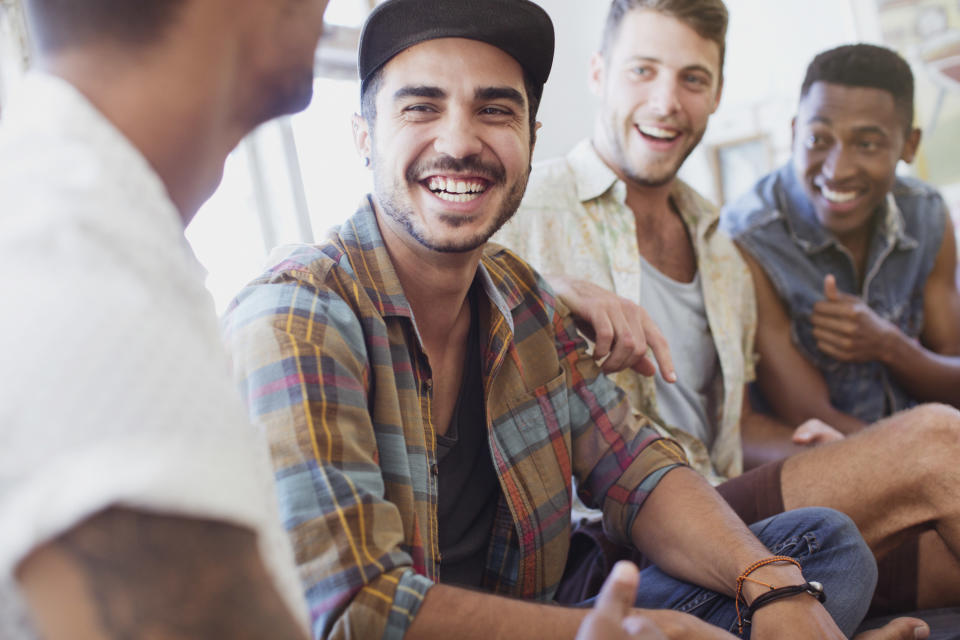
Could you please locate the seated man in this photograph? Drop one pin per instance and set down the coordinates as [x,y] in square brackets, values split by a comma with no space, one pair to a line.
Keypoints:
[614,212]
[427,400]
[135,497]
[855,267]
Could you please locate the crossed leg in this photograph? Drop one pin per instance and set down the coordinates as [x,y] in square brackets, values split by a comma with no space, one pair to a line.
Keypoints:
[897,478]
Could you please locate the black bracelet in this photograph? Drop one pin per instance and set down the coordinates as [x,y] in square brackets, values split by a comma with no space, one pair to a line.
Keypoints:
[813,588]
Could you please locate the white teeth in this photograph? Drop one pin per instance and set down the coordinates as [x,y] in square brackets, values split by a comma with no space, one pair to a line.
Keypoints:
[447,188]
[456,197]
[657,132]
[838,197]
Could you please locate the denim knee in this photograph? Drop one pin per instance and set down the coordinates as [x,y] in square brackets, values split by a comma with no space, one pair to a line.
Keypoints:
[831,551]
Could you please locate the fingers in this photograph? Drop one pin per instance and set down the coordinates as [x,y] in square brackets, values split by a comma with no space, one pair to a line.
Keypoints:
[619,591]
[814,431]
[658,345]
[836,323]
[604,331]
[830,288]
[898,629]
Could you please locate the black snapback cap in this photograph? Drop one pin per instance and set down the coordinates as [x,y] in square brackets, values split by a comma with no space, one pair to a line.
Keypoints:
[518,27]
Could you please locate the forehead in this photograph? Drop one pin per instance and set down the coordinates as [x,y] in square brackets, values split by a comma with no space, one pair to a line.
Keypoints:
[843,106]
[650,34]
[452,65]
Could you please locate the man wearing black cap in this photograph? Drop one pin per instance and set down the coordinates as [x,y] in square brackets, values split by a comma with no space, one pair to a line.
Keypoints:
[427,400]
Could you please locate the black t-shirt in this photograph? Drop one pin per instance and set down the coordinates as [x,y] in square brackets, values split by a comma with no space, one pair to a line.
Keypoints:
[469,489]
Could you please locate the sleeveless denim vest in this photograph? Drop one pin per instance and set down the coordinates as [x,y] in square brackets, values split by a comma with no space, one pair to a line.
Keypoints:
[776,223]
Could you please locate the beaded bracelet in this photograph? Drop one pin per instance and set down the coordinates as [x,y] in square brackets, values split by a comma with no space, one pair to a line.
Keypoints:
[745,576]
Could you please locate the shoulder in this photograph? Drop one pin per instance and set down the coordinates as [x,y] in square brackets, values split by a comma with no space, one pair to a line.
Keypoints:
[307,289]
[756,208]
[917,199]
[521,285]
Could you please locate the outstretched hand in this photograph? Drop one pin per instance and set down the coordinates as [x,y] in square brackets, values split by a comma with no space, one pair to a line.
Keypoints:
[846,328]
[613,617]
[622,331]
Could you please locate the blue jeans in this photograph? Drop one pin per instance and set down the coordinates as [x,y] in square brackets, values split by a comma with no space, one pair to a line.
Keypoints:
[826,543]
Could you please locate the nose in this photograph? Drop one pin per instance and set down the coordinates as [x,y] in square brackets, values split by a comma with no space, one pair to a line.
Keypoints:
[663,97]
[457,135]
[839,164]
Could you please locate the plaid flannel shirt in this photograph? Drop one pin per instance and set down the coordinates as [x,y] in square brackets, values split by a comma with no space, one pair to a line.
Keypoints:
[332,368]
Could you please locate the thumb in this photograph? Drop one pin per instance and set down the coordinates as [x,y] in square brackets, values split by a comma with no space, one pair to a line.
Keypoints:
[619,592]
[830,288]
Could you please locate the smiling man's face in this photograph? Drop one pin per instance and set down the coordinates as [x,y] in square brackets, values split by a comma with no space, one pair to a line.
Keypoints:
[847,142]
[658,85]
[451,145]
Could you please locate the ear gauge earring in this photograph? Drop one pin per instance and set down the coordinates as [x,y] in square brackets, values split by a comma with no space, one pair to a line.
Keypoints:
[366,161]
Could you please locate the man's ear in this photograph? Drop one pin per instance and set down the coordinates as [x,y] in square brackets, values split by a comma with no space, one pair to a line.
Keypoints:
[533,138]
[911,144]
[793,131]
[597,74]
[361,138]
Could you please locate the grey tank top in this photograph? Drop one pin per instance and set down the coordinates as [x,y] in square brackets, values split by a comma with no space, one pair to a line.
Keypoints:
[692,403]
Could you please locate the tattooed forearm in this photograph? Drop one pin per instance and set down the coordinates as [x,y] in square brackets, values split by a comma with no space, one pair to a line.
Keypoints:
[157,577]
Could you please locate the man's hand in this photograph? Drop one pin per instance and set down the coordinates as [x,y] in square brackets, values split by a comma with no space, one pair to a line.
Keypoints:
[621,330]
[814,432]
[847,329]
[613,617]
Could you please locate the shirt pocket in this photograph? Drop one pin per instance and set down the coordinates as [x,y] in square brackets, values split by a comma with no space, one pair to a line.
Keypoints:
[536,438]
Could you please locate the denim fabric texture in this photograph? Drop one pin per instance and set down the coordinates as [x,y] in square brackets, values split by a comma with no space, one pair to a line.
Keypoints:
[828,547]
[776,223]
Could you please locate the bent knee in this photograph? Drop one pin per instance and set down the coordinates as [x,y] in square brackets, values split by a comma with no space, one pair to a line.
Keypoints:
[933,428]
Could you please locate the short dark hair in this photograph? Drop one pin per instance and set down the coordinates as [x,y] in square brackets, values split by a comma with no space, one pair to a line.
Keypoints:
[369,91]
[865,65]
[709,18]
[58,24]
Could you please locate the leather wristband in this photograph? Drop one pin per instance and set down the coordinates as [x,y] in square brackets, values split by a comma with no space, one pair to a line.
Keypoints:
[815,589]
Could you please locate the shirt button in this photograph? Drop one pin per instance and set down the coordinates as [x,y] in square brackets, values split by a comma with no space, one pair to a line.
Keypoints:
[428,384]
[434,469]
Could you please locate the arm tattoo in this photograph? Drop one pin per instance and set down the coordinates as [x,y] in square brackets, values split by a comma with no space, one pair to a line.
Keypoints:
[155,576]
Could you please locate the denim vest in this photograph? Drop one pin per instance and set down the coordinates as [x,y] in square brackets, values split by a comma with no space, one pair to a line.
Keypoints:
[776,223]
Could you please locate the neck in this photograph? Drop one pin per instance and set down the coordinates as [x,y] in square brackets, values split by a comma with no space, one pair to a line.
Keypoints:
[646,201]
[176,111]
[435,284]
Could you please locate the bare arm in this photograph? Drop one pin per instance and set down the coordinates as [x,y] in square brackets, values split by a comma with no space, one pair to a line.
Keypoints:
[930,370]
[450,612]
[683,511]
[127,574]
[790,382]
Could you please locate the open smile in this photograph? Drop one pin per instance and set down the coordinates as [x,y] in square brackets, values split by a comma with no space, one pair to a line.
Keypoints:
[658,134]
[456,189]
[840,198]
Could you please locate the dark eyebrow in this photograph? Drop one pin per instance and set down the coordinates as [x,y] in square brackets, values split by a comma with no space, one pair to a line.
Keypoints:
[420,91]
[861,130]
[501,93]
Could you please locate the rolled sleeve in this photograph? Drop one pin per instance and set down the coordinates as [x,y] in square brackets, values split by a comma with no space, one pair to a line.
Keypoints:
[618,457]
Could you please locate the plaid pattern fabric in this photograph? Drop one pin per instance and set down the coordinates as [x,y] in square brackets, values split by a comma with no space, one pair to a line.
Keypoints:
[330,363]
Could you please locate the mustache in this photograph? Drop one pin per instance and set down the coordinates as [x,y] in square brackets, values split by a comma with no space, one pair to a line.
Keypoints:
[495,173]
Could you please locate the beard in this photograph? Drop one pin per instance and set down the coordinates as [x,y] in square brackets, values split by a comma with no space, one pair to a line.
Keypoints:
[648,174]
[400,210]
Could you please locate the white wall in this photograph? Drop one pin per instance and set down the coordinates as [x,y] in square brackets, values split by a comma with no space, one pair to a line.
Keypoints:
[769,44]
